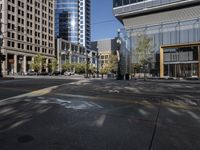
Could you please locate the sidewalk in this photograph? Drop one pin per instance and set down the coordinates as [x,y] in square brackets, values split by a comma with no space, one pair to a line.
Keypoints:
[47,77]
[169,80]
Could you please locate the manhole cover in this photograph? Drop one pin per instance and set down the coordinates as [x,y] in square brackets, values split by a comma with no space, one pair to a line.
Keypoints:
[25,139]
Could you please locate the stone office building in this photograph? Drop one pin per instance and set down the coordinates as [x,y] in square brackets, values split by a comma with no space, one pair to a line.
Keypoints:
[68,52]
[173,25]
[28,30]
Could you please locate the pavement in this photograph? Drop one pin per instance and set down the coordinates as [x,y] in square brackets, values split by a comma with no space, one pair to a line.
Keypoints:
[92,114]
[61,77]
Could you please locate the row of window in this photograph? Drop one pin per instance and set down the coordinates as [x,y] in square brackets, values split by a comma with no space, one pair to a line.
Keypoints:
[28,47]
[31,2]
[29,24]
[29,8]
[29,39]
[104,57]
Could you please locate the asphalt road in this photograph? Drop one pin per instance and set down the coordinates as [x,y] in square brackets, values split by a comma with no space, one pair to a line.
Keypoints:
[99,115]
[10,88]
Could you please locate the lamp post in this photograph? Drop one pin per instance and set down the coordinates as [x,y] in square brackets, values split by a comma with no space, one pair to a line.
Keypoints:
[119,76]
[97,56]
[87,61]
[2,57]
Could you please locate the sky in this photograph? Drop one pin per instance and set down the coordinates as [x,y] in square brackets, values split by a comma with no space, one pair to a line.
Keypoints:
[104,24]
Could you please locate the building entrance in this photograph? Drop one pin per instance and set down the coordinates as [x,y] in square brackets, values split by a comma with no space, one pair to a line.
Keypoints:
[181,70]
[181,61]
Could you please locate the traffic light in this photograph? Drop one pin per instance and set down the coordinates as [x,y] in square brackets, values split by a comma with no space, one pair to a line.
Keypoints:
[1,41]
[2,57]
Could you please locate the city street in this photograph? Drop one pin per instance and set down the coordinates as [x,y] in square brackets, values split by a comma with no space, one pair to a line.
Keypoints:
[95,114]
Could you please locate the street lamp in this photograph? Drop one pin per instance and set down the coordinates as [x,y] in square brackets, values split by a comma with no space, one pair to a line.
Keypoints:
[87,62]
[97,56]
[119,76]
[2,57]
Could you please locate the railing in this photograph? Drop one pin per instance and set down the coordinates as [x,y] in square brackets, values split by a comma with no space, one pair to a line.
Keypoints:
[120,7]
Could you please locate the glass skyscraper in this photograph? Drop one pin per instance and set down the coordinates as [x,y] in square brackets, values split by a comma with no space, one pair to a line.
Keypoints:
[72,21]
[173,26]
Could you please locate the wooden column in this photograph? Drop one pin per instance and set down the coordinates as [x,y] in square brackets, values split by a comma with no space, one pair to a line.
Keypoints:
[161,63]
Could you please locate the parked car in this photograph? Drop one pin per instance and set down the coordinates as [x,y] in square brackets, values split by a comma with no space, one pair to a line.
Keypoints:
[31,73]
[67,73]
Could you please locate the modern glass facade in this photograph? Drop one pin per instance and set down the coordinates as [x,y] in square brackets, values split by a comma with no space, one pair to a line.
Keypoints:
[168,30]
[66,20]
[72,21]
[173,33]
[132,6]
[143,3]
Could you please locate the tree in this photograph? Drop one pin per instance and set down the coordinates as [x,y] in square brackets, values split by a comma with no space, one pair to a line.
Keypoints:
[103,70]
[53,65]
[113,63]
[144,51]
[80,67]
[39,63]
[111,66]
[66,67]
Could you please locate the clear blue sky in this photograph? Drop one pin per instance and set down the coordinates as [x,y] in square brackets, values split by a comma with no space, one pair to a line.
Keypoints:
[104,24]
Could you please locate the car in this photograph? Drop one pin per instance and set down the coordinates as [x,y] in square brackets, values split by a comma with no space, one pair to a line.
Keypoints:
[67,73]
[31,73]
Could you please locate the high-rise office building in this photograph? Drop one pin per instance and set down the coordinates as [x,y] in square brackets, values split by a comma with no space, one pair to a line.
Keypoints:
[72,21]
[28,30]
[173,26]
